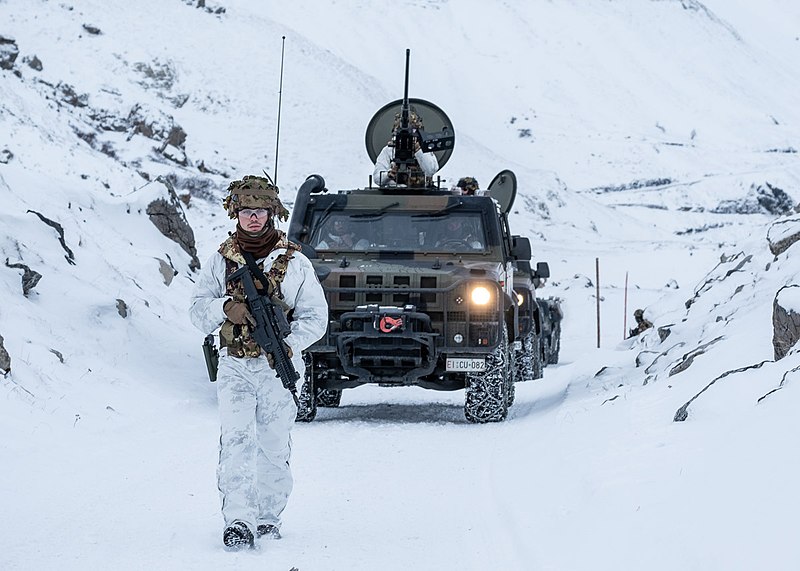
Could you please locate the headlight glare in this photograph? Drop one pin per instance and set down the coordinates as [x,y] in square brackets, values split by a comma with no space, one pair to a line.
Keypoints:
[481,295]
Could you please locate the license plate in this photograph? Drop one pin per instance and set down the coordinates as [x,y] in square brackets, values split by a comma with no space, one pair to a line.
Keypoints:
[466,365]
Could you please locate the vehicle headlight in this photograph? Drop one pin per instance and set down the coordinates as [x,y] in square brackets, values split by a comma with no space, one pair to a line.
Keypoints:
[481,295]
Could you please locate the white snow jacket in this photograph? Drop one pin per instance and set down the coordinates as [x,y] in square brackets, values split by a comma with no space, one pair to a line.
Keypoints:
[426,161]
[301,291]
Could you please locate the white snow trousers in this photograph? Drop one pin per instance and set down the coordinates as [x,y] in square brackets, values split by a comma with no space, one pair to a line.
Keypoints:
[256,417]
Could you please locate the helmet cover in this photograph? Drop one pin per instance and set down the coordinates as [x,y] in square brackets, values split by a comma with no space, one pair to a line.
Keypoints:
[468,185]
[254,192]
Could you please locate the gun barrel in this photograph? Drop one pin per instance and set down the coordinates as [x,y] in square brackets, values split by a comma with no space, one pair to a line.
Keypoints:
[405,93]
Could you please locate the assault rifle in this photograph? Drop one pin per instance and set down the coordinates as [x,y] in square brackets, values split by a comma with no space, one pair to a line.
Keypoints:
[270,330]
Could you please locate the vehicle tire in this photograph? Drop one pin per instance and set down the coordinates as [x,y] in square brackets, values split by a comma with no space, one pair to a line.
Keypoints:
[526,360]
[306,403]
[511,392]
[556,346]
[537,362]
[486,393]
[544,350]
[329,398]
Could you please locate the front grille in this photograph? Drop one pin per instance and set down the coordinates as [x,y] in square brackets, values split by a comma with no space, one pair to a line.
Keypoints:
[452,315]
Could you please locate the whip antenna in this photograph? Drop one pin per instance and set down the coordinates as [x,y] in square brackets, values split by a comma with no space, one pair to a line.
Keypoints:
[280,96]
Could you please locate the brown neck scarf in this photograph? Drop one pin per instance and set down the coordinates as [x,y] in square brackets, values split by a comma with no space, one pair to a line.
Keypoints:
[259,245]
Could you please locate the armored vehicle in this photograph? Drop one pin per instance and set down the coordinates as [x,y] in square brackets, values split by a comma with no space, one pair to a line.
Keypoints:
[529,360]
[550,339]
[419,280]
[419,293]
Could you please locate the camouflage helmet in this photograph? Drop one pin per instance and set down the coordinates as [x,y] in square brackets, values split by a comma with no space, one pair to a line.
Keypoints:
[638,314]
[254,192]
[414,120]
[468,185]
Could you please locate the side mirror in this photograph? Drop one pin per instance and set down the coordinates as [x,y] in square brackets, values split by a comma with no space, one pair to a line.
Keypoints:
[523,267]
[520,248]
[542,270]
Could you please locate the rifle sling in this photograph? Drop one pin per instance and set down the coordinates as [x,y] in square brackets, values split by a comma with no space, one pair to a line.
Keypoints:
[256,271]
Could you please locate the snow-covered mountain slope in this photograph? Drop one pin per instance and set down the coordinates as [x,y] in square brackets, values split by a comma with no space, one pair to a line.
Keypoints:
[643,133]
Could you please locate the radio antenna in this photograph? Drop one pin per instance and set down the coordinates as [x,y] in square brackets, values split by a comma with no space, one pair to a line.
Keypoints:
[280,96]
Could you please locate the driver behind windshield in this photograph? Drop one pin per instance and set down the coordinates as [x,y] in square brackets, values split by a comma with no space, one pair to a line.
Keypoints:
[459,233]
[339,236]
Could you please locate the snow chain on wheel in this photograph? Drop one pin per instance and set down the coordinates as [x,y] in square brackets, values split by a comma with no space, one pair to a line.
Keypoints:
[537,363]
[307,406]
[512,378]
[486,394]
[329,398]
[526,360]
[552,358]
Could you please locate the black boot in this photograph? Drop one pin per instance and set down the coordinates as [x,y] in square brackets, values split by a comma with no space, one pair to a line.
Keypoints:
[268,531]
[237,536]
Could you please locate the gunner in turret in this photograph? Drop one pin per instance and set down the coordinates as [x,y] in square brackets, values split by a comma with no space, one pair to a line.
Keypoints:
[418,174]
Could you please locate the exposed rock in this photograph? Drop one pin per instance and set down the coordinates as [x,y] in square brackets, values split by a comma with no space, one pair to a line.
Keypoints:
[176,137]
[8,52]
[688,358]
[714,275]
[58,355]
[634,185]
[95,31]
[157,125]
[58,228]
[122,308]
[761,199]
[71,97]
[158,75]
[6,156]
[174,154]
[196,186]
[785,320]
[167,271]
[168,217]
[645,357]
[5,358]
[29,277]
[783,233]
[683,413]
[33,62]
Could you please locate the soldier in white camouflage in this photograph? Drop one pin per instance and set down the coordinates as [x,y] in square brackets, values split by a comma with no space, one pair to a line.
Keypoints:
[421,174]
[256,411]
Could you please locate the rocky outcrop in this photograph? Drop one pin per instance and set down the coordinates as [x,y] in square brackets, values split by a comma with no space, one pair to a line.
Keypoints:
[760,199]
[783,233]
[785,320]
[168,217]
[5,359]
[29,277]
[8,52]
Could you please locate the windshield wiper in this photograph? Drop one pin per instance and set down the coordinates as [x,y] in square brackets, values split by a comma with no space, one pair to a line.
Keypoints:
[326,214]
[377,213]
[441,212]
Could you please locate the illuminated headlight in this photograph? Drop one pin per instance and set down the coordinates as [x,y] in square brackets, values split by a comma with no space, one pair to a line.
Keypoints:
[481,295]
[520,299]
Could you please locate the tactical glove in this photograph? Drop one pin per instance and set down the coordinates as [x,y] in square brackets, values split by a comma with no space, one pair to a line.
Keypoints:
[271,359]
[238,313]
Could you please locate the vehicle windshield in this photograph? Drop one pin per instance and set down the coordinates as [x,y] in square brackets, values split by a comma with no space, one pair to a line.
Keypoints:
[389,230]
